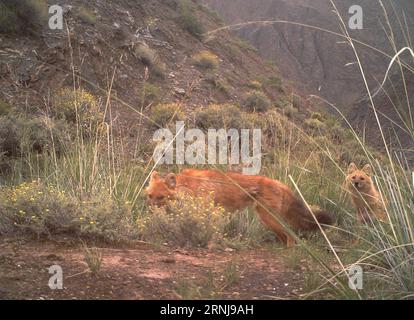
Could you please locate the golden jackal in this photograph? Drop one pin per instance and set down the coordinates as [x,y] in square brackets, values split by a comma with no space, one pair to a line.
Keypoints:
[365,197]
[235,191]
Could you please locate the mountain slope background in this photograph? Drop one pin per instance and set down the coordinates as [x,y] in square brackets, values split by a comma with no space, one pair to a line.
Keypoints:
[110,44]
[314,60]
[319,63]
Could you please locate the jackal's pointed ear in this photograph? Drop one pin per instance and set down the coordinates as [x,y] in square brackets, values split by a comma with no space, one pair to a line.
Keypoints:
[367,169]
[154,175]
[352,168]
[171,180]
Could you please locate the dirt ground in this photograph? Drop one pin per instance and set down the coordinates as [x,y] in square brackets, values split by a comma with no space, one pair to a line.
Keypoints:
[144,271]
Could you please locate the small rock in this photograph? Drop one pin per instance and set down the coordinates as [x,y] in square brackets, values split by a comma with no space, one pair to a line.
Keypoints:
[179,91]
[168,260]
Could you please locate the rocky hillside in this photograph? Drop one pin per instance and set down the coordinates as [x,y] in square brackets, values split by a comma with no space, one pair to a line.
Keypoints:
[122,45]
[316,61]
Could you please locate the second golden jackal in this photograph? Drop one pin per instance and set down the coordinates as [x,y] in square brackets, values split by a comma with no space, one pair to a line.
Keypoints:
[365,197]
[235,191]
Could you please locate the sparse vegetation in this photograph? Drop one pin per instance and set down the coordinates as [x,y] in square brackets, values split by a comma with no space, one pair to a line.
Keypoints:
[188,20]
[256,101]
[244,44]
[205,289]
[151,93]
[148,56]
[220,84]
[297,102]
[317,116]
[255,85]
[93,258]
[206,60]
[315,125]
[211,286]
[273,82]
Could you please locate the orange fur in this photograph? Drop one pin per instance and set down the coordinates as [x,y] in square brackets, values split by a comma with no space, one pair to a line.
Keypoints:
[235,191]
[365,197]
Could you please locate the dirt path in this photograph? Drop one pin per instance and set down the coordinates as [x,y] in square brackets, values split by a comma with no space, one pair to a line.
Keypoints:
[145,272]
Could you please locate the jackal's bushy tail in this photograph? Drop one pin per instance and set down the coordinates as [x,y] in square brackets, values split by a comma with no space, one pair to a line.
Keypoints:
[303,219]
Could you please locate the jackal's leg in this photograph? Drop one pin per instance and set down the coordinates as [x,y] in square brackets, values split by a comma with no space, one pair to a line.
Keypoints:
[275,226]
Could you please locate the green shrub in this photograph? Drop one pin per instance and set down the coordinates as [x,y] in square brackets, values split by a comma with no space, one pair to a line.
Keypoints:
[233,52]
[188,21]
[150,93]
[8,18]
[76,106]
[5,108]
[165,114]
[93,258]
[186,221]
[255,85]
[223,86]
[255,121]
[206,60]
[87,15]
[244,44]
[314,125]
[148,56]
[151,59]
[32,209]
[220,84]
[317,116]
[256,101]
[290,111]
[22,16]
[35,209]
[337,133]
[159,69]
[10,132]
[218,116]
[21,134]
[297,102]
[228,116]
[273,82]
